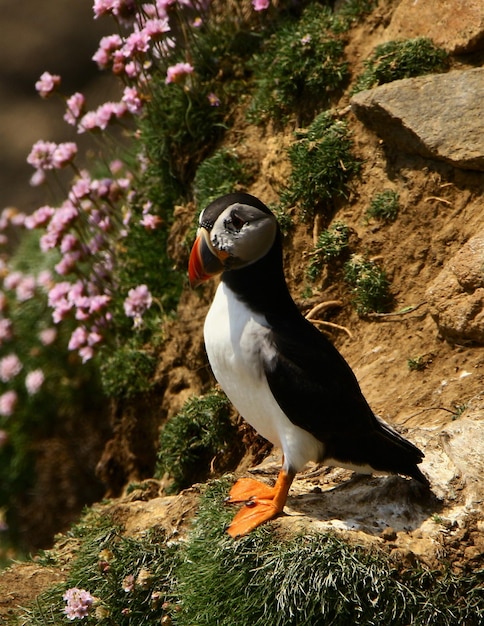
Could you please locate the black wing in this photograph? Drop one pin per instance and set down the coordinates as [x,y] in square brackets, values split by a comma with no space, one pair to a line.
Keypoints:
[318,391]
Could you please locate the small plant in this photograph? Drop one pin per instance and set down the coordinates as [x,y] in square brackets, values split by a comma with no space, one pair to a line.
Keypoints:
[200,436]
[394,60]
[384,206]
[419,363]
[331,244]
[284,218]
[371,288]
[219,174]
[458,410]
[300,67]
[322,164]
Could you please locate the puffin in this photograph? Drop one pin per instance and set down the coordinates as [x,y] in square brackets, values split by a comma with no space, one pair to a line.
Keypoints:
[282,374]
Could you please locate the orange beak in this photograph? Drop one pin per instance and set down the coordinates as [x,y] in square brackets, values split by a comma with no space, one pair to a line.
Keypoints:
[205,261]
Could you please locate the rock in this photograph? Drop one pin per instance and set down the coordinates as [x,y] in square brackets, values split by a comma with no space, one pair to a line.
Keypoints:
[437,116]
[456,297]
[455,25]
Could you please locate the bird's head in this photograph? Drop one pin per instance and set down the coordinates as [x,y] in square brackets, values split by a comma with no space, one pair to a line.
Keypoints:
[234,231]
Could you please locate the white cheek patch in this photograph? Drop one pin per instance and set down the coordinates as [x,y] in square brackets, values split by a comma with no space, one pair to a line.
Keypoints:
[248,243]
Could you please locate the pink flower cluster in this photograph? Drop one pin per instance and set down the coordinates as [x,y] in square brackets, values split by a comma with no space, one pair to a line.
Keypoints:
[136,304]
[8,402]
[47,83]
[87,228]
[78,603]
[261,5]
[47,155]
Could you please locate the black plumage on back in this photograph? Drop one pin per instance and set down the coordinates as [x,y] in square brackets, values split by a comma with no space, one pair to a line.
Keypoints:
[312,382]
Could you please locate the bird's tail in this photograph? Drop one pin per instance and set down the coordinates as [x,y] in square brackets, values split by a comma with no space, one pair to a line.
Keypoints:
[390,452]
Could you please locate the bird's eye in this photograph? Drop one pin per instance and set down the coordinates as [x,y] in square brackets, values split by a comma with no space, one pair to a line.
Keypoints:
[237,222]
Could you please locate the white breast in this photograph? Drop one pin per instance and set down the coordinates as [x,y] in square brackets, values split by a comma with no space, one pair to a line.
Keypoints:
[235,340]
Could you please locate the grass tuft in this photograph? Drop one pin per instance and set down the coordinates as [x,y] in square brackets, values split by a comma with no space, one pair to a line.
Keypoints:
[300,67]
[322,165]
[395,60]
[200,437]
[371,287]
[332,243]
[303,580]
[384,206]
[218,175]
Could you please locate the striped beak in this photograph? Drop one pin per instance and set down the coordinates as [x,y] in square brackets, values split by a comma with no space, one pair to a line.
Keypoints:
[205,261]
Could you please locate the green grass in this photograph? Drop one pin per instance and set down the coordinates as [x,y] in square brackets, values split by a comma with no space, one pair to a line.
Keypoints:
[395,60]
[370,285]
[302,580]
[300,67]
[384,206]
[197,440]
[322,165]
[218,175]
[332,243]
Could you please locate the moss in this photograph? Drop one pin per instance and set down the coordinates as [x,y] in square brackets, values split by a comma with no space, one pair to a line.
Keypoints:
[200,436]
[394,60]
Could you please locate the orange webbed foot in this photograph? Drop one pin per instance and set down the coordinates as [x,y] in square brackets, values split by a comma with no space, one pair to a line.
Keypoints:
[261,503]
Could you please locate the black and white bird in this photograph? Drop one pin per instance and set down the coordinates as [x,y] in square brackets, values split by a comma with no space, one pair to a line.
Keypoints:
[282,375]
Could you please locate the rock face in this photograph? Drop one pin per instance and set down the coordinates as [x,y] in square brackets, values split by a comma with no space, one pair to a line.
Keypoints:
[456,297]
[437,116]
[456,25]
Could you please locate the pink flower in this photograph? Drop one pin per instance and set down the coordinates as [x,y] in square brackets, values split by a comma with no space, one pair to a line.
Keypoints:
[75,107]
[260,5]
[81,188]
[79,602]
[47,155]
[26,288]
[103,115]
[138,301]
[34,381]
[132,99]
[86,353]
[156,27]
[213,100]
[69,243]
[10,366]
[44,279]
[78,338]
[136,43]
[98,303]
[124,10]
[47,83]
[37,178]
[68,262]
[40,217]
[64,154]
[104,7]
[177,72]
[107,47]
[40,156]
[47,336]
[12,280]
[8,402]
[151,222]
